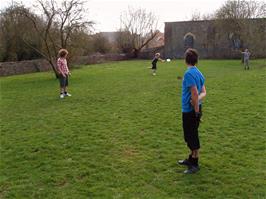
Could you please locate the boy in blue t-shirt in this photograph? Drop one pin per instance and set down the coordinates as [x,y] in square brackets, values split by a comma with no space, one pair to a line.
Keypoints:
[193,91]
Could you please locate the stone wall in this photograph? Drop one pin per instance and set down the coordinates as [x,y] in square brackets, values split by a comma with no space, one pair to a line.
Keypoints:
[22,67]
[98,58]
[150,52]
[210,43]
[41,65]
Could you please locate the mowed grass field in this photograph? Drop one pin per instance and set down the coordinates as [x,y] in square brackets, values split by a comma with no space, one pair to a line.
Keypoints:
[120,134]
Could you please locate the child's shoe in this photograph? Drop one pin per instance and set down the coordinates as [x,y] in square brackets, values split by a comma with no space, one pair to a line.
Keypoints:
[184,162]
[62,96]
[192,169]
[68,94]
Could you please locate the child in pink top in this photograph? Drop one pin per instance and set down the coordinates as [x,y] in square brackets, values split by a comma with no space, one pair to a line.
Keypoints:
[63,72]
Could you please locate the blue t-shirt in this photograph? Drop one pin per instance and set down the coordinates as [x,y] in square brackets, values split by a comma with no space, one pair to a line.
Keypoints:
[192,77]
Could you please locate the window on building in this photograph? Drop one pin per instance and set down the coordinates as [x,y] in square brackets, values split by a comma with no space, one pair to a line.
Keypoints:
[235,41]
[189,41]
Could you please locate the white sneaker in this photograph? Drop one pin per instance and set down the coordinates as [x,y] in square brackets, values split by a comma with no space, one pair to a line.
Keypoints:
[154,74]
[68,94]
[62,96]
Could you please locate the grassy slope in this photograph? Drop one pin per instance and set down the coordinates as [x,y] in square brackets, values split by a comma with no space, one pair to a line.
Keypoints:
[120,134]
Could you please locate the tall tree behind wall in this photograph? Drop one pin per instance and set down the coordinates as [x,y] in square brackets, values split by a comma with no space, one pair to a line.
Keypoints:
[138,28]
[62,22]
[14,26]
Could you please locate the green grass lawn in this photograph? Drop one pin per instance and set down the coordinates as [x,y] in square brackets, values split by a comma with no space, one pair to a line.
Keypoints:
[120,134]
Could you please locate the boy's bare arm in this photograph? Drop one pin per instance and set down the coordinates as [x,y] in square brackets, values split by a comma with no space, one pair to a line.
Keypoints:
[69,73]
[203,93]
[201,96]
[195,98]
[162,60]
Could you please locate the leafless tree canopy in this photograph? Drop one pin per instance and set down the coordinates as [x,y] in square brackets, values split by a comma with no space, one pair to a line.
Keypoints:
[138,28]
[242,9]
[59,23]
[14,26]
[197,16]
[71,18]
[235,9]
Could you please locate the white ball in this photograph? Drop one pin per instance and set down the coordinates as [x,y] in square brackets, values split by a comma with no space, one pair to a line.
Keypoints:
[168,60]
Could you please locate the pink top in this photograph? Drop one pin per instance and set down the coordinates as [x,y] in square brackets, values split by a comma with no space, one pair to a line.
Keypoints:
[62,66]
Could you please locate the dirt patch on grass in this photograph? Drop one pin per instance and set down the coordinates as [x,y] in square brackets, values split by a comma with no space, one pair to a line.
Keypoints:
[129,152]
[62,183]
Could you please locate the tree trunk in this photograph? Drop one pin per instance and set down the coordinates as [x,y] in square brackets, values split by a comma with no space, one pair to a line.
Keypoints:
[54,68]
[48,58]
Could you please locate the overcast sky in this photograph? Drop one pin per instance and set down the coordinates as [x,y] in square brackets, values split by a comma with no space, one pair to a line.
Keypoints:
[106,13]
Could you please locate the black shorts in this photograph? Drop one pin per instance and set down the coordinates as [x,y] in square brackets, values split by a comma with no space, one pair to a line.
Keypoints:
[63,80]
[154,67]
[190,128]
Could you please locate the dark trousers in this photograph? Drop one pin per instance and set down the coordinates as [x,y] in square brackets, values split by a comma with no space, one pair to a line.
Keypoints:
[190,128]
[63,80]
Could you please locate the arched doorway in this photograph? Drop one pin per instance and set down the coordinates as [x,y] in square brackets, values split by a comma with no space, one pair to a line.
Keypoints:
[189,40]
[235,42]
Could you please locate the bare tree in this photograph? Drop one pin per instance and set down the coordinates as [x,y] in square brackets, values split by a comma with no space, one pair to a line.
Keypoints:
[14,26]
[59,23]
[242,9]
[123,42]
[139,27]
[197,16]
[71,18]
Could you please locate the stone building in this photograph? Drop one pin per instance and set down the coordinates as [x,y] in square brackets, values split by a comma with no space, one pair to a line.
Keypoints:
[216,39]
